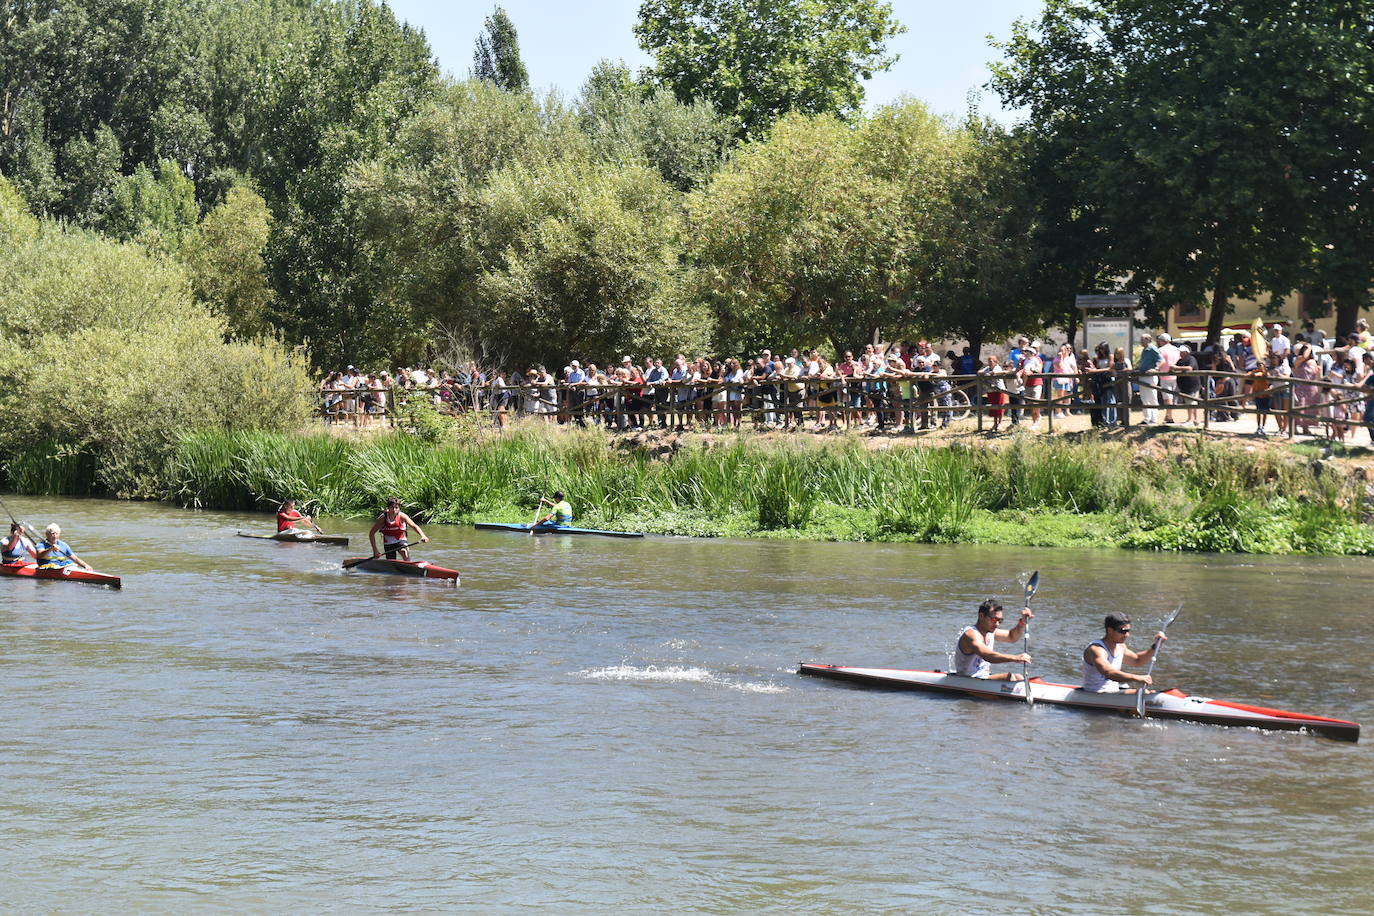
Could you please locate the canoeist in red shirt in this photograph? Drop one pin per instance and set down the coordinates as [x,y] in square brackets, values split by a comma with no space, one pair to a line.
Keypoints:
[288,516]
[393,524]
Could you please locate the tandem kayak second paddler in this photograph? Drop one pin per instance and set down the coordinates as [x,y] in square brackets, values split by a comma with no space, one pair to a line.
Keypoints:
[1163,704]
[555,529]
[419,569]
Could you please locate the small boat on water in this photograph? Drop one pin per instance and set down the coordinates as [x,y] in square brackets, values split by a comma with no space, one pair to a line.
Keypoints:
[296,536]
[555,529]
[71,573]
[416,568]
[1163,704]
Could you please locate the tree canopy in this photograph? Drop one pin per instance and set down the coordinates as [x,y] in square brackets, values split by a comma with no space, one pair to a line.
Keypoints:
[756,60]
[497,58]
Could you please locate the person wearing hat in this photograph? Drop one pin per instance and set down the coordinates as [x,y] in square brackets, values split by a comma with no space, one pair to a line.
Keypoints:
[1279,344]
[1168,384]
[575,379]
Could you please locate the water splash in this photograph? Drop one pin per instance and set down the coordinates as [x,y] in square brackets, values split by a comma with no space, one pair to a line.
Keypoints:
[675,674]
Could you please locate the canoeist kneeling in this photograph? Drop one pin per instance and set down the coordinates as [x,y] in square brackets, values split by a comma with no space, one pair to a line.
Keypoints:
[53,552]
[561,514]
[974,654]
[393,524]
[16,549]
[1103,658]
[288,515]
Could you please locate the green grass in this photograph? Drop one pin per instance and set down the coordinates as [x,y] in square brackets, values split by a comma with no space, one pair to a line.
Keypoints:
[1199,497]
[1051,493]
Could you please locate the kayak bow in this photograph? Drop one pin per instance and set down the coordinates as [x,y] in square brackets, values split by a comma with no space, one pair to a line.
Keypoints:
[1165,704]
[298,537]
[419,569]
[71,573]
[556,529]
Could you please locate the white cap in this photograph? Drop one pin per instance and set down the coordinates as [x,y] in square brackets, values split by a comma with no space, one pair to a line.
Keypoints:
[1164,336]
[1276,327]
[576,364]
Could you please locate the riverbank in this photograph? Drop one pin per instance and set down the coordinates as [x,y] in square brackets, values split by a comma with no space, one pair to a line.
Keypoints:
[1148,490]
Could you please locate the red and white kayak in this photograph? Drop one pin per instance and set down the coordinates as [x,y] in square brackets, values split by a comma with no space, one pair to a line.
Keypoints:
[1163,704]
[71,573]
[419,569]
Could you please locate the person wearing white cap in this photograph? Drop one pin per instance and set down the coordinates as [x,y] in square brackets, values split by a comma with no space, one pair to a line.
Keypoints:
[1168,384]
[1279,344]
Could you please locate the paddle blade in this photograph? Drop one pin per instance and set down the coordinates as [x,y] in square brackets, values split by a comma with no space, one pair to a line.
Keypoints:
[1031,585]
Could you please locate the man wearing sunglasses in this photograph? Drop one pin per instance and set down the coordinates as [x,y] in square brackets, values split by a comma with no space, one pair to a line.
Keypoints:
[1104,658]
[974,654]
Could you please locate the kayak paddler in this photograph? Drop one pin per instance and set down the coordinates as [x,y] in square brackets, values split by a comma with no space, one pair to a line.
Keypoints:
[1103,658]
[561,515]
[974,654]
[287,517]
[393,524]
[16,549]
[53,552]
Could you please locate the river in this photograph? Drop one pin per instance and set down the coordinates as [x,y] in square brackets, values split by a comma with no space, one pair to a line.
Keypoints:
[594,725]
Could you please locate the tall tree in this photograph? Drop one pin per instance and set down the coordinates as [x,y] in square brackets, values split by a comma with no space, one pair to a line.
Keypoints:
[1172,122]
[497,58]
[755,60]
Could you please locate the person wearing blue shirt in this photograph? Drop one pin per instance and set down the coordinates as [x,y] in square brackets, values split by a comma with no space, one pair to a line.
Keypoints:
[53,552]
[1149,386]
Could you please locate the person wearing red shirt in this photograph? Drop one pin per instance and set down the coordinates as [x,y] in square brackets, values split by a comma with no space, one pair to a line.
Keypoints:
[287,517]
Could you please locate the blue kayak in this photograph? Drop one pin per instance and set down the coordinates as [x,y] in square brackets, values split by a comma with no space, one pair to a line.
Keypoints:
[556,529]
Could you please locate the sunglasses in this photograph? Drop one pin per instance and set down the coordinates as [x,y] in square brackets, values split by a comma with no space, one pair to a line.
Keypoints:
[1122,629]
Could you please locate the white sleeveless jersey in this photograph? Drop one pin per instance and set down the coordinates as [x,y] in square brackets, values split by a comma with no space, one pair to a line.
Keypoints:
[1093,680]
[971,664]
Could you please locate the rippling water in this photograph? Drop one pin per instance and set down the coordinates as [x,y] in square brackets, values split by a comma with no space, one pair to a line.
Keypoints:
[596,726]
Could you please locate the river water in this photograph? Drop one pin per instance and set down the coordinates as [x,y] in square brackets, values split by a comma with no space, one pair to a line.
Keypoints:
[593,725]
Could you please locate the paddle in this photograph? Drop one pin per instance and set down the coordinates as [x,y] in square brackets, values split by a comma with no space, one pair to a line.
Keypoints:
[349,564]
[537,506]
[1031,585]
[1154,657]
[22,527]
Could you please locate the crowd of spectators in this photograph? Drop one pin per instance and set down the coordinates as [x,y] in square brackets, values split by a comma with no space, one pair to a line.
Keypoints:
[907,386]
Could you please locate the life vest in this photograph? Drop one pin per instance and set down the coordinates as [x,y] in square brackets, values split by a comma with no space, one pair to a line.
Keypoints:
[393,529]
[59,555]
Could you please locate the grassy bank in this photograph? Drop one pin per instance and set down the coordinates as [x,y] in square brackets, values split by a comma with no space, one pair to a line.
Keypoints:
[1191,496]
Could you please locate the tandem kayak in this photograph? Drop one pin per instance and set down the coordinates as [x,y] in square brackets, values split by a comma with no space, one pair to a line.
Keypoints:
[556,529]
[419,569]
[298,537]
[67,573]
[1163,704]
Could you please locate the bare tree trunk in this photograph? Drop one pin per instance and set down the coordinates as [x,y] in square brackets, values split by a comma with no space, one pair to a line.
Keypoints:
[1347,313]
[1221,300]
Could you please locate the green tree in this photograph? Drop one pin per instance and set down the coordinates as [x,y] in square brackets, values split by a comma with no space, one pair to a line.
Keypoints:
[826,232]
[158,211]
[1173,126]
[628,123]
[755,60]
[225,262]
[497,58]
[584,259]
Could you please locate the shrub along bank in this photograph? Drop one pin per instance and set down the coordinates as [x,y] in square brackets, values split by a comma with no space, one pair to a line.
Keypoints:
[1195,496]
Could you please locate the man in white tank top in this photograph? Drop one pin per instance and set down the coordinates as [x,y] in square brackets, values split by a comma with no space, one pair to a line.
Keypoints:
[974,655]
[1103,658]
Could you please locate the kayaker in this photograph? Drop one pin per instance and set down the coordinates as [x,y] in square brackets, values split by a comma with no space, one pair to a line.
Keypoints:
[1103,658]
[16,548]
[53,552]
[974,654]
[393,524]
[561,516]
[287,517]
